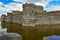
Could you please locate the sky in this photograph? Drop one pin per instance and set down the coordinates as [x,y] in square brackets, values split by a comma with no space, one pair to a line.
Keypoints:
[9,5]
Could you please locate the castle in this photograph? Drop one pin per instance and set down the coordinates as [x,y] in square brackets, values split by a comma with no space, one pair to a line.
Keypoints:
[32,15]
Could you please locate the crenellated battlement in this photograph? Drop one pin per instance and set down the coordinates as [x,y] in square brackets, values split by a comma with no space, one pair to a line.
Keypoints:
[32,7]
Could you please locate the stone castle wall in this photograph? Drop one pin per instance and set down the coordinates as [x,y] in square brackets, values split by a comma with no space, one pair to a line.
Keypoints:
[33,15]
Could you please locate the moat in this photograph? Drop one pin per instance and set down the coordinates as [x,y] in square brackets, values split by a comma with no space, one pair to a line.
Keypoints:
[32,33]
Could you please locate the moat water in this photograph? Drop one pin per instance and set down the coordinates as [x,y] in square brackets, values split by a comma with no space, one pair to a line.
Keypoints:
[2,30]
[45,32]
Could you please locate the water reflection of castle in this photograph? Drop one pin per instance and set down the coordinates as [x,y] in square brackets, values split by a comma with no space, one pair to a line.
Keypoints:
[53,37]
[32,15]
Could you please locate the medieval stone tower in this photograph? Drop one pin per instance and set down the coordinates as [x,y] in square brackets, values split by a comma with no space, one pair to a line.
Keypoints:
[30,13]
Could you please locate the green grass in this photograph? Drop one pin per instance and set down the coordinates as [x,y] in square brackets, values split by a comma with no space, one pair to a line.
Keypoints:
[0,19]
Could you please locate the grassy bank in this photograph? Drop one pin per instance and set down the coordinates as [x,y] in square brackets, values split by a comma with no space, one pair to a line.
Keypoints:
[0,19]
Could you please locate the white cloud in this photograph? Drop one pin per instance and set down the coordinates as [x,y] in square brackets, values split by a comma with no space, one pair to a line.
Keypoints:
[9,7]
[2,9]
[21,0]
[53,8]
[14,6]
[43,3]
[38,2]
[1,3]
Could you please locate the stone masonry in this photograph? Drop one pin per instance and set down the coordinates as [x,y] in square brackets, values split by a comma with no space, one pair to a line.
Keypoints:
[33,15]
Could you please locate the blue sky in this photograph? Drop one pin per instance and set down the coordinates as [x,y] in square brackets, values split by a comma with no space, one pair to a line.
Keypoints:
[9,1]
[9,5]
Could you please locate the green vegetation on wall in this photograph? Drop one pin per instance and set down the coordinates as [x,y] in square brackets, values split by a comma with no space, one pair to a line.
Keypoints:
[0,19]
